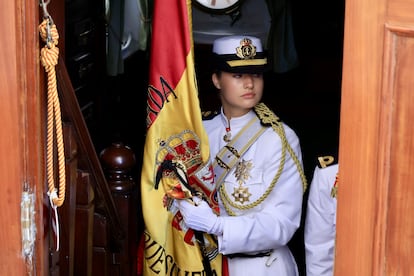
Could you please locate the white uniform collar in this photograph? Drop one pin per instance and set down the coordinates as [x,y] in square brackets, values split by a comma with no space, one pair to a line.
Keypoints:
[237,122]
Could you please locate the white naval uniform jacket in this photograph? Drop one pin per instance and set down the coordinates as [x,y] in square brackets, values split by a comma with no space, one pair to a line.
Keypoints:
[320,223]
[271,224]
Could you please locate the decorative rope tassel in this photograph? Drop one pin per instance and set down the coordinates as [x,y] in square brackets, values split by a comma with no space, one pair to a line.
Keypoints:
[49,55]
[49,58]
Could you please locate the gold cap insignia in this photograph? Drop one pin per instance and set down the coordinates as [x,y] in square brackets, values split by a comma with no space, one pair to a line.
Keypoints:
[246,50]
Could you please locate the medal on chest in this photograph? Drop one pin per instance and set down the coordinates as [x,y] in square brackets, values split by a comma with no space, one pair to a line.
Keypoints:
[227,136]
[242,173]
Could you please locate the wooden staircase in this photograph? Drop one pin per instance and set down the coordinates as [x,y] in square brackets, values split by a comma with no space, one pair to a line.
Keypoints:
[99,220]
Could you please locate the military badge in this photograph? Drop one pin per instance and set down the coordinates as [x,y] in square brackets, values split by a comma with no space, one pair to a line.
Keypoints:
[246,50]
[242,173]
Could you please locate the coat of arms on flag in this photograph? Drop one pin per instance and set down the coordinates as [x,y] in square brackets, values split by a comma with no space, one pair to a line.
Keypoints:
[181,170]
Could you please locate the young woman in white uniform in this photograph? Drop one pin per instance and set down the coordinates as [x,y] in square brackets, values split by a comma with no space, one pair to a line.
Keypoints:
[260,198]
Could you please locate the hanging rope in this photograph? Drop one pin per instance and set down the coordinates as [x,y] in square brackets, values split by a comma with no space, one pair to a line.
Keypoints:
[49,55]
[49,58]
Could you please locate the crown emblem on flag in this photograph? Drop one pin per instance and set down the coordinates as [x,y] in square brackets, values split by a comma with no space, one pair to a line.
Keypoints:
[176,161]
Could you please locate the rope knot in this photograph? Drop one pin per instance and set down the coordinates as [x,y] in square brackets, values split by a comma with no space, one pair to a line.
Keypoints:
[49,56]
[48,32]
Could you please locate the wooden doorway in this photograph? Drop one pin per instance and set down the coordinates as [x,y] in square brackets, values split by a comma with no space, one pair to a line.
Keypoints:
[376,140]
[374,228]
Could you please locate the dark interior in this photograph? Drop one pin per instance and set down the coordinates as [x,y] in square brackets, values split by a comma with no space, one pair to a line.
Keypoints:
[306,97]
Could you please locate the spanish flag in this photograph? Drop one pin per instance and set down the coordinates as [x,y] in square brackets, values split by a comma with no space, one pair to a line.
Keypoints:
[176,154]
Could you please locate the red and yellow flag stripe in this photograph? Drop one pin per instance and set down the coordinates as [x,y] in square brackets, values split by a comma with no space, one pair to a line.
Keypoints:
[174,128]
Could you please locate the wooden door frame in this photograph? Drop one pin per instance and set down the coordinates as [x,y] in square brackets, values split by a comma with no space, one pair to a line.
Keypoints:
[374,233]
[358,146]
[24,76]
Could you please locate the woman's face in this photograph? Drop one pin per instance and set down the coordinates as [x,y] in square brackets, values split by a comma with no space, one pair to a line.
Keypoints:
[239,93]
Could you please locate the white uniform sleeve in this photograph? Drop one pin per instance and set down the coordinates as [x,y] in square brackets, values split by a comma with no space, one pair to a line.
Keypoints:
[320,223]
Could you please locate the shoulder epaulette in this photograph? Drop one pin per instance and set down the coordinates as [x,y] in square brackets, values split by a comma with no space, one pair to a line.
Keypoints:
[208,115]
[326,161]
[269,119]
[266,116]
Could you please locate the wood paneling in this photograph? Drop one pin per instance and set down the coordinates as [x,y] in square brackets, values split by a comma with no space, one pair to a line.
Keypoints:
[374,228]
[399,240]
[19,141]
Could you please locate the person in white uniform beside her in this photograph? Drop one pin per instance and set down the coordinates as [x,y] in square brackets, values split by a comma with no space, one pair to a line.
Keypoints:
[259,174]
[320,222]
